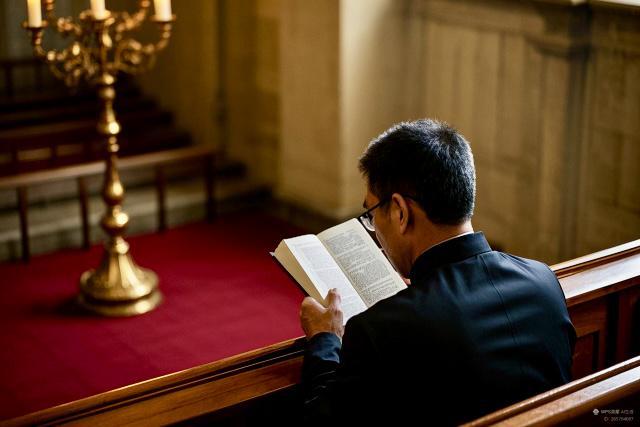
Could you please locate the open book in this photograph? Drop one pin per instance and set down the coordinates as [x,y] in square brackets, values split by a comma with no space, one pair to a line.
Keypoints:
[343,257]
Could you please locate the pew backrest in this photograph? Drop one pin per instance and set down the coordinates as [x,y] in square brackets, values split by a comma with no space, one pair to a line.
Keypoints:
[156,160]
[602,292]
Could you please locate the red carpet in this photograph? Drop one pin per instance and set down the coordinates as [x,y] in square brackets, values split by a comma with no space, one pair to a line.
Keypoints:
[224,295]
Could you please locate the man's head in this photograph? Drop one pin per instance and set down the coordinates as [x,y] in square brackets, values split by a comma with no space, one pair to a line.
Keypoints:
[423,174]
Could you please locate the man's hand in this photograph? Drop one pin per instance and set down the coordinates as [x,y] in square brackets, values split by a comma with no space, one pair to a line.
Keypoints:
[314,318]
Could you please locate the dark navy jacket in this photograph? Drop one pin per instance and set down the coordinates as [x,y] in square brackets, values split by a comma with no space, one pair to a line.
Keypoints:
[476,330]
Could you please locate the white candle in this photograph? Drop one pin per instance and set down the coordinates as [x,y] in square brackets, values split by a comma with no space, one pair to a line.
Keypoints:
[163,9]
[34,13]
[98,9]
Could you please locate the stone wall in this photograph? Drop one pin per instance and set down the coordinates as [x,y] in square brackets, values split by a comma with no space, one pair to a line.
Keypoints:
[185,79]
[609,205]
[510,77]
[544,91]
[251,85]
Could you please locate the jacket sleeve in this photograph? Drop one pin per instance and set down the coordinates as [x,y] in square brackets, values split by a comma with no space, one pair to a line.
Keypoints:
[335,375]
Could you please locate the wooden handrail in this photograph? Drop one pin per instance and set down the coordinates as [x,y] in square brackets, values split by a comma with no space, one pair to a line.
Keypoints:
[583,263]
[599,274]
[581,403]
[556,394]
[223,384]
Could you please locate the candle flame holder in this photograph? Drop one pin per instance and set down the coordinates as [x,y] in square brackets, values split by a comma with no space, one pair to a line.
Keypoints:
[98,51]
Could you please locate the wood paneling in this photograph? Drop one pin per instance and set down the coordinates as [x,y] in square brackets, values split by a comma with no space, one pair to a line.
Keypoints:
[628,334]
[590,320]
[602,293]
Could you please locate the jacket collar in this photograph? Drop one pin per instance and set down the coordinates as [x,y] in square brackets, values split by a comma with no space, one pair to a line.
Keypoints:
[448,252]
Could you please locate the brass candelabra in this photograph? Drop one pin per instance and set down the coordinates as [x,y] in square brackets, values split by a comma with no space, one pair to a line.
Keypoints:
[101,47]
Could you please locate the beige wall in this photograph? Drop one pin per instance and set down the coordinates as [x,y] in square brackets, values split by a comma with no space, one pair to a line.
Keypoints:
[505,74]
[517,78]
[374,58]
[252,85]
[610,163]
[310,169]
[546,91]
[343,65]
[185,78]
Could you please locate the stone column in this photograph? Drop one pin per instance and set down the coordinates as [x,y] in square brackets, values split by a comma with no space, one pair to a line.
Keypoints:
[310,172]
[343,67]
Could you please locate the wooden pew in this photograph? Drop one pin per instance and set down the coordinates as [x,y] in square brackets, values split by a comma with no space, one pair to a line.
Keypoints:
[50,145]
[602,291]
[157,160]
[81,108]
[216,388]
[613,392]
[44,125]
[10,68]
[259,387]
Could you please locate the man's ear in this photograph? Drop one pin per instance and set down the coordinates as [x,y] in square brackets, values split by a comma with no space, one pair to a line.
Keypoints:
[401,212]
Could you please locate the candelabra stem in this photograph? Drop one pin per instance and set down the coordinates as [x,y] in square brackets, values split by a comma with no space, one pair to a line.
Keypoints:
[118,287]
[101,47]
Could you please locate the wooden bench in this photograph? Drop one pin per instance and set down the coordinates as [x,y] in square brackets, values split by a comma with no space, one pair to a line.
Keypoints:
[11,67]
[157,160]
[613,393]
[82,108]
[50,145]
[602,291]
[43,126]
[263,383]
[219,388]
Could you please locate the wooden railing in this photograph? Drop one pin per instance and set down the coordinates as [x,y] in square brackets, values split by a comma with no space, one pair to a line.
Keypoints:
[616,389]
[183,395]
[602,296]
[156,160]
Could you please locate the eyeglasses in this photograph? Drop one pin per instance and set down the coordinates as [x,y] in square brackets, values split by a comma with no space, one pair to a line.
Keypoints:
[366,218]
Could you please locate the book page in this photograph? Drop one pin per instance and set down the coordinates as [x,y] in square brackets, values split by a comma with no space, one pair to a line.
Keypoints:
[362,261]
[324,273]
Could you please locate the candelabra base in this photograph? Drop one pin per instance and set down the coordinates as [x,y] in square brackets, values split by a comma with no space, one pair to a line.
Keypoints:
[119,287]
[125,309]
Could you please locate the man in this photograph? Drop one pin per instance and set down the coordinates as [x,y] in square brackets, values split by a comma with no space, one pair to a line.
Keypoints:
[476,329]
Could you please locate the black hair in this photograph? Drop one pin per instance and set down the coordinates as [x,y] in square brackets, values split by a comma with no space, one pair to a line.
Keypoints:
[427,160]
